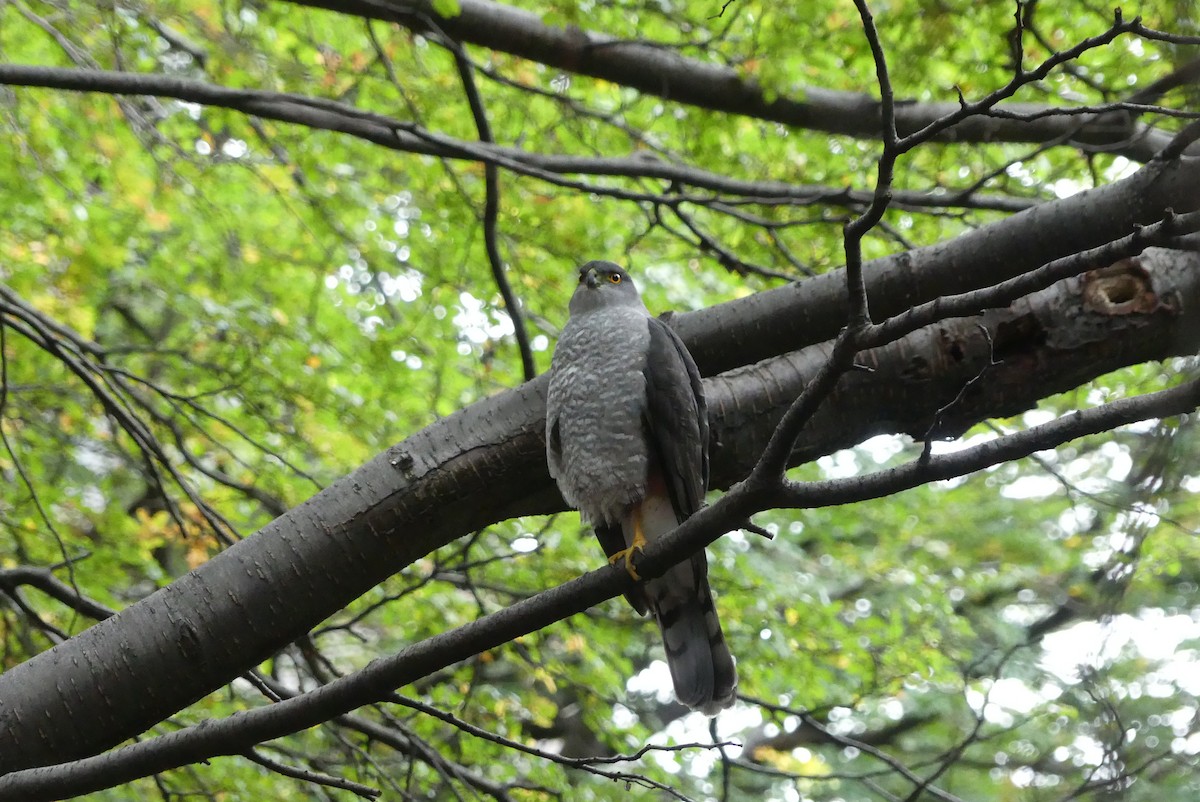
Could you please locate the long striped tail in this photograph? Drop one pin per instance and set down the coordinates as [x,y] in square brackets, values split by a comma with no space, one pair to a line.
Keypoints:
[701,664]
[702,667]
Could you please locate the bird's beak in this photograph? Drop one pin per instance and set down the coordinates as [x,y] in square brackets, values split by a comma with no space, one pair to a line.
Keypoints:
[591,279]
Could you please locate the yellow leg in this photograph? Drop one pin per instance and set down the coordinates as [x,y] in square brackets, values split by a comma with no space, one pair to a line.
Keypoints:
[639,543]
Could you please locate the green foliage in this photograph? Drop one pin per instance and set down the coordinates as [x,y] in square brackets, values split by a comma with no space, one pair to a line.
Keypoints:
[285,303]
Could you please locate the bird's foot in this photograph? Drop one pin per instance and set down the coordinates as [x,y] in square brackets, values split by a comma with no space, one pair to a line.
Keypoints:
[639,542]
[627,556]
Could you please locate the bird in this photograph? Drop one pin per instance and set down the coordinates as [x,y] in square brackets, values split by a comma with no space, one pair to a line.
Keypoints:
[627,445]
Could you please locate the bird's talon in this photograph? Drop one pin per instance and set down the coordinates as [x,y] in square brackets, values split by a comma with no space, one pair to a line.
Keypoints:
[627,556]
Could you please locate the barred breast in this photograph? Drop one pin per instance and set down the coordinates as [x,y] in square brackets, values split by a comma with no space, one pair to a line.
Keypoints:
[598,392]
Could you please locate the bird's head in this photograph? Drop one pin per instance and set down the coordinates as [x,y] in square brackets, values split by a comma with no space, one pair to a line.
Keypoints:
[603,285]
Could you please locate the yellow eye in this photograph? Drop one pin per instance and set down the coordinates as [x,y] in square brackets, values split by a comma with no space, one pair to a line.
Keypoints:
[615,278]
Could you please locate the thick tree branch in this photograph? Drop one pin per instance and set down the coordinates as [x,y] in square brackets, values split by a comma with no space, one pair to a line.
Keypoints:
[1099,301]
[1053,340]
[376,681]
[391,495]
[1005,292]
[660,71]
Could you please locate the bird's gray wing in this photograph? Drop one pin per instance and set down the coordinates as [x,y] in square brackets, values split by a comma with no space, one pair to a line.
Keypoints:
[553,440]
[676,423]
[676,418]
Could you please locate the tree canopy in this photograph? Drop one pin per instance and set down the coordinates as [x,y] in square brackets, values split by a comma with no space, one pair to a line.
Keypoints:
[279,284]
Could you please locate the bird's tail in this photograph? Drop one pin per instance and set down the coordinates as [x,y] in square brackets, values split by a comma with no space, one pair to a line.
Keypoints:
[702,667]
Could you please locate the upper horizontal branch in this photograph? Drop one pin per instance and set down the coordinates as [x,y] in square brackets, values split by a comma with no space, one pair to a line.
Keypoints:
[1033,348]
[660,71]
[329,115]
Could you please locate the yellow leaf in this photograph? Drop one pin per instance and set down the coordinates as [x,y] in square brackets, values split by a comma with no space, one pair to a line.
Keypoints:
[197,555]
[107,144]
[158,221]
[150,527]
[543,676]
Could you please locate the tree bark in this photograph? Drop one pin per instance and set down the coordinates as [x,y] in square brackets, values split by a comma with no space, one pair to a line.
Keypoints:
[922,385]
[1129,290]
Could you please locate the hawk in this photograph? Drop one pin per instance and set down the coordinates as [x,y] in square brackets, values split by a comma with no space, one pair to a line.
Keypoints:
[627,442]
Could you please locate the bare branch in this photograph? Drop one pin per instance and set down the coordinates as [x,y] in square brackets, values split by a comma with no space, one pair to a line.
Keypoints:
[1165,403]
[491,212]
[588,764]
[309,776]
[409,137]
[376,681]
[773,462]
[44,580]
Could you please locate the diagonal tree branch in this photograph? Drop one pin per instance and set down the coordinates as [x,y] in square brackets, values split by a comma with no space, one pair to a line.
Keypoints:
[370,524]
[376,681]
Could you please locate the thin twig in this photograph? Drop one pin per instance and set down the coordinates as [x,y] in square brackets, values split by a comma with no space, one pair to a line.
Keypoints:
[491,211]
[309,776]
[773,461]
[20,468]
